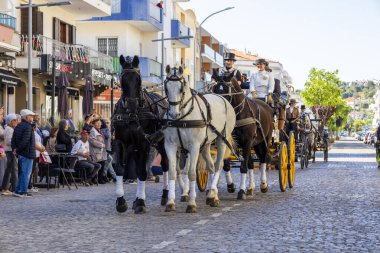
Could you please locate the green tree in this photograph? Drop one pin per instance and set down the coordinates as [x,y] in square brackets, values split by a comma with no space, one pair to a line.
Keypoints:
[323,93]
[359,124]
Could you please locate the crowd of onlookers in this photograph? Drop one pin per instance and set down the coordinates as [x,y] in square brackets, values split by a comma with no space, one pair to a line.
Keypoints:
[25,146]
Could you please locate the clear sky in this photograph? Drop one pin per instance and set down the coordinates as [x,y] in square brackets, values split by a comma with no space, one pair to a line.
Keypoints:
[301,34]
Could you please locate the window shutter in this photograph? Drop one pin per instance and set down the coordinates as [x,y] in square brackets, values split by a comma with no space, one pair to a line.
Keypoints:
[56,29]
[24,21]
[39,22]
[74,35]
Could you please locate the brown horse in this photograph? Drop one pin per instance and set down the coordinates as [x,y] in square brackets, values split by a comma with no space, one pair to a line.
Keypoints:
[254,126]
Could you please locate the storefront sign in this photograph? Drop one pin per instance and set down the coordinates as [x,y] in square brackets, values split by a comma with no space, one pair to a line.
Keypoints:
[8,78]
[101,77]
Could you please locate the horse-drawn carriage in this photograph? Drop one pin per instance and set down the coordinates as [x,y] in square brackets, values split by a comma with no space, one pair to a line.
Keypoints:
[188,122]
[321,139]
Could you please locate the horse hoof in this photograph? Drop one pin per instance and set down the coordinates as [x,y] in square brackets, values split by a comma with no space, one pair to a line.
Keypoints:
[249,192]
[241,195]
[209,200]
[121,205]
[157,179]
[134,204]
[191,209]
[139,206]
[264,188]
[164,198]
[170,208]
[185,198]
[214,202]
[231,188]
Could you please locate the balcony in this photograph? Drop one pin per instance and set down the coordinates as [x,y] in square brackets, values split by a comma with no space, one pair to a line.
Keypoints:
[179,30]
[143,14]
[9,21]
[208,54]
[150,71]
[76,58]
[84,9]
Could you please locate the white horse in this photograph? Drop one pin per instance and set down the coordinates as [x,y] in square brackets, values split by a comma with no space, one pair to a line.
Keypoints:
[192,126]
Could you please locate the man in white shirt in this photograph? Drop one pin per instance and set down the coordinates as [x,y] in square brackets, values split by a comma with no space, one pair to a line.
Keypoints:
[261,84]
[81,149]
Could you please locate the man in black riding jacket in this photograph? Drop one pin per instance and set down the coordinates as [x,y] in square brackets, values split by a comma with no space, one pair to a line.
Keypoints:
[228,71]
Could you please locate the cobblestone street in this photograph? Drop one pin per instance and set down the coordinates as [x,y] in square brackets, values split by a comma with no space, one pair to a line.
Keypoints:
[334,207]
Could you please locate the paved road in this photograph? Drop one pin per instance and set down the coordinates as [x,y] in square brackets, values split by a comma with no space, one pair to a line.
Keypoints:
[334,207]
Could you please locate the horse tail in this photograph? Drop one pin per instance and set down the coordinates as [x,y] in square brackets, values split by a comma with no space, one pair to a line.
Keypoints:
[233,143]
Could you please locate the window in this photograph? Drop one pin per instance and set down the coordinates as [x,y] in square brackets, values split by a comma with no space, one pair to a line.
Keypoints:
[64,32]
[116,6]
[108,46]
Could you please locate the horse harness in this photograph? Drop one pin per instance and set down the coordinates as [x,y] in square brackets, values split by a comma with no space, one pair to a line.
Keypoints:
[246,121]
[204,122]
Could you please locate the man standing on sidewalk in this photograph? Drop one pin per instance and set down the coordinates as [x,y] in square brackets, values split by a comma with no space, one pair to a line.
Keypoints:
[23,146]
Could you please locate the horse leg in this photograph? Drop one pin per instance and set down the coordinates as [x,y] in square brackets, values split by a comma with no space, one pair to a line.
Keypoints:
[227,172]
[141,163]
[121,204]
[171,151]
[165,178]
[251,176]
[185,180]
[210,168]
[261,152]
[243,171]
[194,154]
[213,194]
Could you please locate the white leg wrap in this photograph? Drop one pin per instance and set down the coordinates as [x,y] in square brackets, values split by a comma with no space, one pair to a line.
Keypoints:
[140,189]
[193,193]
[185,191]
[171,190]
[243,178]
[228,177]
[251,183]
[165,180]
[263,170]
[215,180]
[119,186]
[209,180]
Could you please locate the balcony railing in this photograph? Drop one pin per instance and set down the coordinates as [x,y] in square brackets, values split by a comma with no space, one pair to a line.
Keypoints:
[8,20]
[208,51]
[179,30]
[43,45]
[155,12]
[218,59]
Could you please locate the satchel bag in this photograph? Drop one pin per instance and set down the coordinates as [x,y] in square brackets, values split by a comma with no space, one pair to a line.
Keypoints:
[44,158]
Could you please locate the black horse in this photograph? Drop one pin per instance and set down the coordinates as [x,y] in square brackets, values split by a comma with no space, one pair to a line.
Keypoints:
[136,118]
[254,126]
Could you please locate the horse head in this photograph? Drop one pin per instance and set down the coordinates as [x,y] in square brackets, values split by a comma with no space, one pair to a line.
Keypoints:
[130,80]
[175,89]
[226,89]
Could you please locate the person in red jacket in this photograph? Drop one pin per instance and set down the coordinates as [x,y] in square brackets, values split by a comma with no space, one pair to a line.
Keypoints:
[159,4]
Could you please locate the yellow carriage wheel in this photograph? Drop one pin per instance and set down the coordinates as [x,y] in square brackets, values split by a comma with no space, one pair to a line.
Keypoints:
[202,175]
[292,159]
[283,166]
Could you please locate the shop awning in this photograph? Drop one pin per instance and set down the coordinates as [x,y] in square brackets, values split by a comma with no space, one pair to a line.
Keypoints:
[9,78]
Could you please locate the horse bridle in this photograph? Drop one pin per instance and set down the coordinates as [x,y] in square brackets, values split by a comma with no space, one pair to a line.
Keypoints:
[175,78]
[232,92]
[136,99]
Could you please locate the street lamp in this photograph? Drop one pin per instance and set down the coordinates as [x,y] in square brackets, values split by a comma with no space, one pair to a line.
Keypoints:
[200,42]
[30,6]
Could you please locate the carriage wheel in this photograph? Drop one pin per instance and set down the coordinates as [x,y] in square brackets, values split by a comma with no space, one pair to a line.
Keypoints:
[282,166]
[202,175]
[292,159]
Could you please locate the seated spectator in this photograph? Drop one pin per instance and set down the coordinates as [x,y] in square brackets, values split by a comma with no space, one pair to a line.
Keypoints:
[11,171]
[82,150]
[63,137]
[98,151]
[52,141]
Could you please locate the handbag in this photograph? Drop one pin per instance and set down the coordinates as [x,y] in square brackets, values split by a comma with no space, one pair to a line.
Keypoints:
[44,158]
